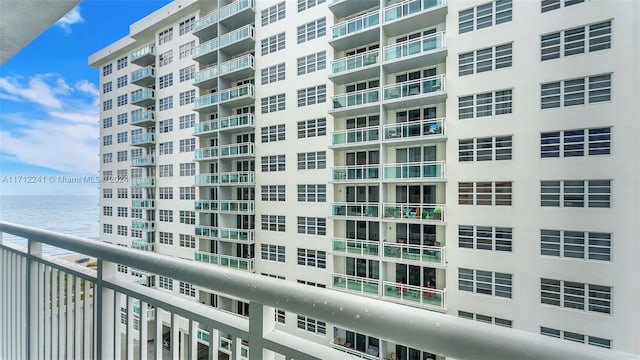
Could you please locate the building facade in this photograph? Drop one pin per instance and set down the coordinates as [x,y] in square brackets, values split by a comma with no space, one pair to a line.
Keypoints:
[468,157]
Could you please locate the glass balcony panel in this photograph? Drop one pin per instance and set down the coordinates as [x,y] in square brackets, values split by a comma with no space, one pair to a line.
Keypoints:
[407,8]
[207,47]
[206,231]
[357,247]
[419,170]
[355,62]
[356,24]
[234,8]
[427,127]
[355,209]
[206,21]
[142,116]
[423,253]
[429,212]
[206,153]
[205,127]
[355,173]
[356,284]
[428,296]
[206,205]
[234,178]
[358,135]
[148,160]
[206,179]
[206,74]
[414,87]
[144,181]
[356,98]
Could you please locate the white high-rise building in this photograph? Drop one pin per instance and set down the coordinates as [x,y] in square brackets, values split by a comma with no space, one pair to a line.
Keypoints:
[473,158]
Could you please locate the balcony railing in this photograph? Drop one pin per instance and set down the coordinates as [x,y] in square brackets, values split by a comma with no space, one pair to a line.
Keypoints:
[143,97]
[340,344]
[355,25]
[37,323]
[207,101]
[429,85]
[411,252]
[224,260]
[236,235]
[237,206]
[427,212]
[144,76]
[210,232]
[356,136]
[234,8]
[143,117]
[356,247]
[143,56]
[415,295]
[355,173]
[237,178]
[206,205]
[414,129]
[355,209]
[206,179]
[207,153]
[413,47]
[140,224]
[206,21]
[356,98]
[143,139]
[142,245]
[205,48]
[237,35]
[236,122]
[143,182]
[205,127]
[426,170]
[355,284]
[143,204]
[148,160]
[206,74]
[407,8]
[355,62]
[240,149]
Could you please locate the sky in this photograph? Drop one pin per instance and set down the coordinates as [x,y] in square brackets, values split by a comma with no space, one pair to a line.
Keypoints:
[49,116]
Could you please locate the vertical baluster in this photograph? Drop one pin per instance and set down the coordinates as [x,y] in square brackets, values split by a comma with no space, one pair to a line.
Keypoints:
[55,321]
[71,299]
[117,324]
[158,340]
[105,301]
[62,323]
[12,305]
[143,333]
[175,336]
[46,310]
[193,340]
[214,343]
[130,320]
[87,320]
[3,304]
[77,320]
[39,303]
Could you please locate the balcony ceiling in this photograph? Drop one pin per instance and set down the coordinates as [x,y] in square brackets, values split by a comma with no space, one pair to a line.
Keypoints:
[22,20]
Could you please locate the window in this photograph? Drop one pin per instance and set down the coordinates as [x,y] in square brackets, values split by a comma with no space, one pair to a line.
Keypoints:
[572,336]
[165,103]
[273,192]
[273,222]
[187,73]
[122,211]
[187,97]
[107,193]
[186,50]
[166,238]
[187,217]
[485,149]
[496,193]
[273,163]
[187,289]
[121,81]
[575,244]
[311,63]
[107,69]
[307,4]
[579,91]
[272,252]
[107,140]
[312,128]
[165,193]
[186,240]
[187,169]
[187,193]
[107,122]
[312,30]
[186,26]
[482,16]
[311,283]
[485,318]
[107,158]
[107,105]
[165,282]
[122,118]
[107,211]
[107,228]
[165,36]
[272,74]
[122,63]
[548,5]
[485,282]
[165,126]
[165,170]
[312,95]
[122,155]
[312,225]
[165,148]
[312,193]
[312,258]
[122,137]
[312,160]
[166,215]
[576,193]
[486,104]
[580,142]
[273,13]
[166,80]
[272,133]
[122,230]
[312,325]
[485,238]
[272,44]
[187,145]
[187,121]
[587,297]
[272,103]
[489,59]
[280,316]
[106,87]
[165,58]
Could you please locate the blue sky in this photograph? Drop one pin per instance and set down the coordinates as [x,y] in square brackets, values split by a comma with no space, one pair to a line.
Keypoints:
[49,99]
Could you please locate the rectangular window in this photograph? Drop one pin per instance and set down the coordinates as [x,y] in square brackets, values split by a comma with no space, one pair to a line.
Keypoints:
[187,193]
[312,160]
[106,87]
[574,41]
[486,104]
[122,118]
[122,100]
[312,193]
[272,252]
[312,30]
[273,223]
[107,123]
[187,25]
[165,148]
[165,282]
[122,230]
[187,217]
[165,193]
[187,169]
[307,4]
[187,145]
[186,50]
[311,63]
[485,318]
[272,103]
[312,325]
[187,289]
[107,69]
[573,92]
[121,81]
[107,140]
[187,73]
[485,149]
[576,193]
[497,193]
[165,126]
[482,16]
[272,44]
[107,105]
[312,225]
[165,103]
[273,192]
[312,258]
[187,97]
[573,295]
[482,60]
[187,121]
[165,170]
[485,282]
[165,36]
[273,163]
[122,155]
[571,143]
[273,13]
[166,215]
[575,244]
[571,336]
[165,58]
[312,128]
[272,74]
[166,238]
[312,95]
[122,63]
[165,80]
[273,133]
[485,238]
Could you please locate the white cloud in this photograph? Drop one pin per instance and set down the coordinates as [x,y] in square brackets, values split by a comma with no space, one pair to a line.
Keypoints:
[72,17]
[38,90]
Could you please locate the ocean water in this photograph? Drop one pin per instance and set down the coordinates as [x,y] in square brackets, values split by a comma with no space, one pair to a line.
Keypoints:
[72,215]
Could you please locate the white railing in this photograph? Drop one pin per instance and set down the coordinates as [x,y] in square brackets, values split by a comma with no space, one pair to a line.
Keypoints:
[51,308]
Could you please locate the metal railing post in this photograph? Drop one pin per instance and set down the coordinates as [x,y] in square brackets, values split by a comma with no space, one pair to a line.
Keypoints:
[34,249]
[104,305]
[261,322]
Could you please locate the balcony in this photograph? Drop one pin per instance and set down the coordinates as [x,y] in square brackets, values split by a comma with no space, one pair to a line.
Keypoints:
[232,262]
[355,210]
[413,14]
[148,160]
[144,77]
[237,13]
[415,212]
[207,52]
[420,92]
[206,26]
[355,138]
[356,102]
[356,247]
[206,128]
[143,245]
[206,78]
[147,139]
[237,207]
[143,182]
[355,67]
[236,123]
[206,205]
[144,56]
[143,118]
[206,179]
[144,225]
[416,171]
[355,174]
[143,97]
[243,236]
[411,252]
[237,41]
[355,284]
[355,32]
[206,103]
[207,232]
[414,131]
[237,150]
[242,95]
[414,295]
[237,178]
[225,345]
[32,330]
[238,68]
[342,345]
[344,8]
[143,204]
[208,153]
[428,50]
